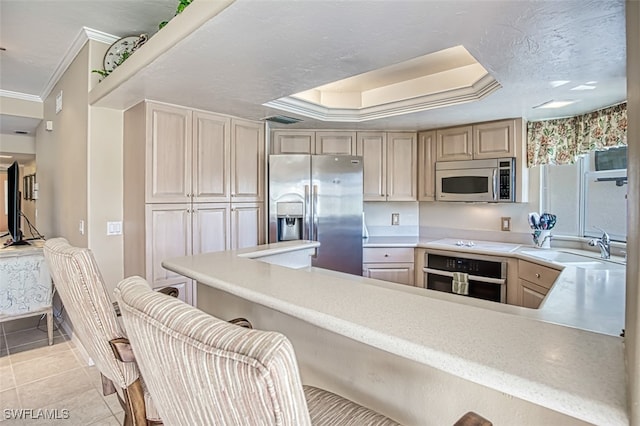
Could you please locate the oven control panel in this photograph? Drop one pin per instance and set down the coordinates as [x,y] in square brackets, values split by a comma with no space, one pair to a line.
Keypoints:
[484,268]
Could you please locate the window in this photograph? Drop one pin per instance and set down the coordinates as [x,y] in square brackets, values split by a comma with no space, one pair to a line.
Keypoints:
[589,195]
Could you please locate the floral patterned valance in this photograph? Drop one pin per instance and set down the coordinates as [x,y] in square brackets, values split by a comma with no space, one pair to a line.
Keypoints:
[562,140]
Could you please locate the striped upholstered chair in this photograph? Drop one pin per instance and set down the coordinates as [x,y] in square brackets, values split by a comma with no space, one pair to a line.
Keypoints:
[83,293]
[203,371]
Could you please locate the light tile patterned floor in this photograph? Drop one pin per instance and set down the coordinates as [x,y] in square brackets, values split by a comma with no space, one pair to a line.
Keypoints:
[36,376]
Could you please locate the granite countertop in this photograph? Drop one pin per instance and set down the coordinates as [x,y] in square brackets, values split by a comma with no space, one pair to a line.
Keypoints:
[573,371]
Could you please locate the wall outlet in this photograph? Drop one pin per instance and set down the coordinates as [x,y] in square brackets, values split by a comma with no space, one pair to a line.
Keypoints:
[505,223]
[81,227]
[395,218]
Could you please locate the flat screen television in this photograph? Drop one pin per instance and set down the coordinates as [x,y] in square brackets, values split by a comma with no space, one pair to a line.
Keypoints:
[13,205]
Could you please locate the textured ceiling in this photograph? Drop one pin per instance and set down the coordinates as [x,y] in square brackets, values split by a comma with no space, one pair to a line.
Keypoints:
[257,51]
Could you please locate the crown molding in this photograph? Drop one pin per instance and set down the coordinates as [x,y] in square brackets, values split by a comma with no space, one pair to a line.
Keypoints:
[21,96]
[84,35]
[478,90]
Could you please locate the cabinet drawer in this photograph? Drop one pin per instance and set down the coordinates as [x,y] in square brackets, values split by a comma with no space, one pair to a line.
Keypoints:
[537,274]
[390,254]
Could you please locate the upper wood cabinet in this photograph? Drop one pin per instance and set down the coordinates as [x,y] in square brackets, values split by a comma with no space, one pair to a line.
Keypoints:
[372,146]
[313,142]
[169,152]
[402,167]
[390,165]
[493,139]
[293,142]
[247,161]
[454,143]
[211,153]
[336,143]
[426,166]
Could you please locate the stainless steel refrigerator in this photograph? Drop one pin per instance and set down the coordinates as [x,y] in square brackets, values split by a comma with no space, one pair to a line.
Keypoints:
[319,197]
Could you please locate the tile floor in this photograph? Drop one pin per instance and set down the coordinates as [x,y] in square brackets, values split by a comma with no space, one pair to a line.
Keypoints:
[34,375]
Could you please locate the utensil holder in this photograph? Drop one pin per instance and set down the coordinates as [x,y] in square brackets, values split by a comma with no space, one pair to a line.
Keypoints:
[541,239]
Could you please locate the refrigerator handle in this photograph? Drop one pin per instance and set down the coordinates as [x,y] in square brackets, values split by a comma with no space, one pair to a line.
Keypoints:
[315,213]
[306,229]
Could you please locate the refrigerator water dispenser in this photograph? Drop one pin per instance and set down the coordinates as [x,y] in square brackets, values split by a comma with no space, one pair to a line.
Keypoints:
[289,221]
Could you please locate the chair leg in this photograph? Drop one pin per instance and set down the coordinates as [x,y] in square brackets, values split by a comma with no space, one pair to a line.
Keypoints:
[108,388]
[134,408]
[50,326]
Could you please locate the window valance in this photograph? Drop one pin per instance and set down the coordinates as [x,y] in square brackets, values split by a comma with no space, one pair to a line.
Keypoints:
[561,141]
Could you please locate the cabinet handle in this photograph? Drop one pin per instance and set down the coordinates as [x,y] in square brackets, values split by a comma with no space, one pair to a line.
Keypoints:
[386,255]
[537,275]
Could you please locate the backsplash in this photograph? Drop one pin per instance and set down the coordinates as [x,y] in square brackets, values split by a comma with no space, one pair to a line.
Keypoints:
[378,218]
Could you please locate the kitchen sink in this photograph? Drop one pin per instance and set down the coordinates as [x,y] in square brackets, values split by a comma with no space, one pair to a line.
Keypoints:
[570,259]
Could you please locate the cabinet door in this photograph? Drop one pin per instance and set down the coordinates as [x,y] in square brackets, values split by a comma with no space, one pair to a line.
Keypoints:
[211,227]
[372,146]
[454,143]
[293,142]
[532,294]
[426,166]
[339,143]
[494,140]
[402,273]
[211,157]
[247,229]
[168,156]
[401,167]
[168,235]
[247,161]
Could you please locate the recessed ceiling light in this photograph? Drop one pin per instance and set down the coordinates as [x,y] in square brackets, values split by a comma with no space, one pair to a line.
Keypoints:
[584,87]
[555,104]
[558,83]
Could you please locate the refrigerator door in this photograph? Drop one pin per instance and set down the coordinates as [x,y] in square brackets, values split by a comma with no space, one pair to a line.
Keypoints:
[289,183]
[336,193]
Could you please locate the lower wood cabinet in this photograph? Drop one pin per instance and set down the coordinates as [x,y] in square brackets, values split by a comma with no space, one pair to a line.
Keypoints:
[181,229]
[393,264]
[534,282]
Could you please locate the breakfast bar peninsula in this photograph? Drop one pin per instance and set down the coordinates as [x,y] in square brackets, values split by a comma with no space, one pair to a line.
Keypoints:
[412,354]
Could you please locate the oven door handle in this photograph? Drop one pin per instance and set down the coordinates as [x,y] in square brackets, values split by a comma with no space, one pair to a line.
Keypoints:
[500,281]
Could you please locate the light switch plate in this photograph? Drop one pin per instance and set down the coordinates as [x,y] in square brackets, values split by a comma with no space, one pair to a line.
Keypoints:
[114,228]
[505,223]
[395,218]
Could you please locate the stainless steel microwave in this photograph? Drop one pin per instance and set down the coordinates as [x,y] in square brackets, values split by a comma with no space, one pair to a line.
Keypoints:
[490,180]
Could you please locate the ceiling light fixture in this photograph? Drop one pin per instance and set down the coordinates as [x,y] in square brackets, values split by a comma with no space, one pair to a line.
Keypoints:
[558,83]
[554,104]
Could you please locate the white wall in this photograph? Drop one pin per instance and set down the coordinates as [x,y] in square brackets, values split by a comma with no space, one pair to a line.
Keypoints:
[378,218]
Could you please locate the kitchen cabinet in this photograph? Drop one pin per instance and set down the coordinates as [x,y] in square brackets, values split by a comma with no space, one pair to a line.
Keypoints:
[247,161]
[337,143]
[293,142]
[495,139]
[313,142]
[192,180]
[534,281]
[454,143]
[393,264]
[390,165]
[426,166]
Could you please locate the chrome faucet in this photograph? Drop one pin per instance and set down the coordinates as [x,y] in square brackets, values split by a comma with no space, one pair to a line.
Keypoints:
[603,243]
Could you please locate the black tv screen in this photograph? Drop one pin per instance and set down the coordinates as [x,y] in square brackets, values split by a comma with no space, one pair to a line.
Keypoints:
[13,203]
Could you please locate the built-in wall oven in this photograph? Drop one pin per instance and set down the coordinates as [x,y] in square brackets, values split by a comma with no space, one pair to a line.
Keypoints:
[487,279]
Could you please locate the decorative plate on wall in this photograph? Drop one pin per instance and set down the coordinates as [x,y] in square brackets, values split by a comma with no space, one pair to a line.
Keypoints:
[119,51]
